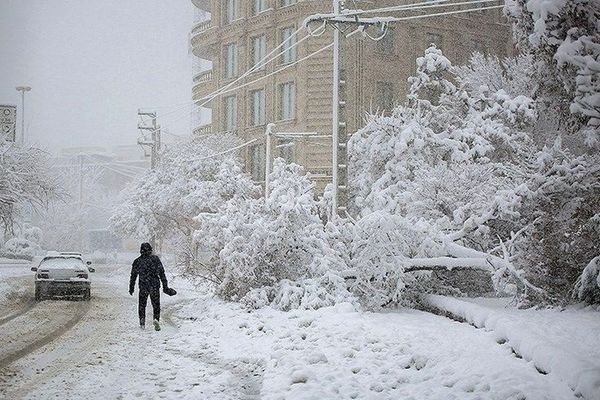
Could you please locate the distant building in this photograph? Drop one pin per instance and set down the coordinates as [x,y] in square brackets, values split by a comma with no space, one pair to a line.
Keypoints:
[236,34]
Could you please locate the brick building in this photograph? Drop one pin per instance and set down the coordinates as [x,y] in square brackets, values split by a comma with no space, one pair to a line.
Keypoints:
[235,34]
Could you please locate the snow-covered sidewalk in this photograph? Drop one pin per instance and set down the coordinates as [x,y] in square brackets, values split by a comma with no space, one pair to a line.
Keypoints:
[339,353]
[564,344]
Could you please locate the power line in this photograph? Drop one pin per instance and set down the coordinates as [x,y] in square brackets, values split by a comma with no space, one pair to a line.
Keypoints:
[224,90]
[260,64]
[382,20]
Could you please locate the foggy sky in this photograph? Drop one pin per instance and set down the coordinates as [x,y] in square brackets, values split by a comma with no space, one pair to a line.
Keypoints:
[92,64]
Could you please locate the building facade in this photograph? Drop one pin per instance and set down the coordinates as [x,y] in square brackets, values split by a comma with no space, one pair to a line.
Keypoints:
[236,34]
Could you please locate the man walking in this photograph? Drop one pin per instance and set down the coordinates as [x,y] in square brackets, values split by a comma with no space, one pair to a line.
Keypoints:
[151,273]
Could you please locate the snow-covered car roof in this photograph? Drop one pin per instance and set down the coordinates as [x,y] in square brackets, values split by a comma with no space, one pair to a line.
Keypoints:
[62,262]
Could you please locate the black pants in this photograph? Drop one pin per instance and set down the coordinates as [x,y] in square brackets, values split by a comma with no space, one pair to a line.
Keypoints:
[154,299]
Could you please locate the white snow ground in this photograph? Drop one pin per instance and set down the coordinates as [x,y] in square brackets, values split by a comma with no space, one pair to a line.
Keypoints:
[209,349]
[561,343]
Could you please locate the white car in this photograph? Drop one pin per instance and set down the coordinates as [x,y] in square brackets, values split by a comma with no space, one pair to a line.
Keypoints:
[62,275]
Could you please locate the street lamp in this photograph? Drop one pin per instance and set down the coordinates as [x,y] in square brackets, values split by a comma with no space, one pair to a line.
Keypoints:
[23,89]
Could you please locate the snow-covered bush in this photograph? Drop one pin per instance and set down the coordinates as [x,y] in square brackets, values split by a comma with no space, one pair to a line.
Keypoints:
[379,243]
[587,287]
[31,233]
[260,243]
[306,294]
[19,248]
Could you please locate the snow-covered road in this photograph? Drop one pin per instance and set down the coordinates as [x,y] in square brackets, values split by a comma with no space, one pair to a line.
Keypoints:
[213,350]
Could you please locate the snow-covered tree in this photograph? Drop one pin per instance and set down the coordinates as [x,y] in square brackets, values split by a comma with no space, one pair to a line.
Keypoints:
[193,177]
[561,221]
[563,38]
[65,222]
[25,180]
[275,250]
[438,181]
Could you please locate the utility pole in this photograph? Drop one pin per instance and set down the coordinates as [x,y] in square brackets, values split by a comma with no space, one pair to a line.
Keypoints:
[268,156]
[337,5]
[338,20]
[154,142]
[23,89]
[80,156]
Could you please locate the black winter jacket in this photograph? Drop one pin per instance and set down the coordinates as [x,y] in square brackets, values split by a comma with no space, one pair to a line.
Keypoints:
[150,271]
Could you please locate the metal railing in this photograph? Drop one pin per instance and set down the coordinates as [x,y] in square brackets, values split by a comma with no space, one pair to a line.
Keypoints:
[203,130]
[203,76]
[201,27]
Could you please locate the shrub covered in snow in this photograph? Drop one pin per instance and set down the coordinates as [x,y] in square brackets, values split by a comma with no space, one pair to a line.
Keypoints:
[307,294]
[266,244]
[588,285]
[19,248]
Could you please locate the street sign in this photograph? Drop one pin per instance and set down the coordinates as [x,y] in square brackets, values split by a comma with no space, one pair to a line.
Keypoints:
[8,122]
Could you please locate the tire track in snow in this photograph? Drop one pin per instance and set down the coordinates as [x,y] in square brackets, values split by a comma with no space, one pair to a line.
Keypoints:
[84,344]
[19,301]
[28,306]
[28,347]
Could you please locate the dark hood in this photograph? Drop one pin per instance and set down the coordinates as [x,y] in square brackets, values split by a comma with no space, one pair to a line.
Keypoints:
[146,249]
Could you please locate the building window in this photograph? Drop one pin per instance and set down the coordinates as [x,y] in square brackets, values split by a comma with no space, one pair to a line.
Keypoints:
[257,162]
[387,44]
[230,104]
[287,101]
[231,57]
[259,6]
[385,96]
[257,107]
[435,38]
[232,10]
[285,3]
[289,48]
[259,51]
[286,150]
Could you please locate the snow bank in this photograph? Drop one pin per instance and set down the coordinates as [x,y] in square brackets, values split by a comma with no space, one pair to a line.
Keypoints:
[558,343]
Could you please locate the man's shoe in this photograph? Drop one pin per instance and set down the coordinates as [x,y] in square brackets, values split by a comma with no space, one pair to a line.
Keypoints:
[156,325]
[142,324]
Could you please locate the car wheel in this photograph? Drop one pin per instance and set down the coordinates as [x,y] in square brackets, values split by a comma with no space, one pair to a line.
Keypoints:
[38,293]
[87,295]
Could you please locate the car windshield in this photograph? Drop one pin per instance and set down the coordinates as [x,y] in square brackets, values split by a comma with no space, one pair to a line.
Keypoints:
[62,262]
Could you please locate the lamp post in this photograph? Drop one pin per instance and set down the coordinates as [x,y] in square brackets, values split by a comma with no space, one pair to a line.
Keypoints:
[23,89]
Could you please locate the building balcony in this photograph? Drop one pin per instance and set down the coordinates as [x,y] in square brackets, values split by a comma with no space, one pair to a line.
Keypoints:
[203,35]
[203,85]
[202,4]
[203,130]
